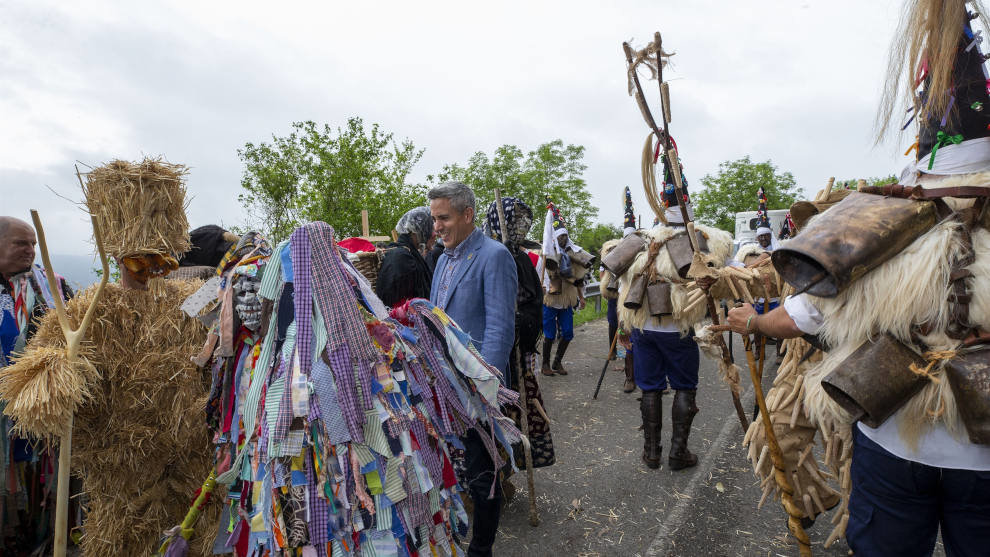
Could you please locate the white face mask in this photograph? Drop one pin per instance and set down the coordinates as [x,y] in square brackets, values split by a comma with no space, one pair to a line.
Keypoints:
[246,302]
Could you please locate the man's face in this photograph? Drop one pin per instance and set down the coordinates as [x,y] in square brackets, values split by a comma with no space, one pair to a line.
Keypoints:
[562,241]
[450,225]
[17,249]
[764,240]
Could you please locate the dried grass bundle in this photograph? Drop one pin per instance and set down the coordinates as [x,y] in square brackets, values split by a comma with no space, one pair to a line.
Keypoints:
[140,207]
[139,441]
[44,390]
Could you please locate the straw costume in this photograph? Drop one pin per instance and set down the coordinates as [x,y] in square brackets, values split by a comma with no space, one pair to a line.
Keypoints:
[897,287]
[139,445]
[333,419]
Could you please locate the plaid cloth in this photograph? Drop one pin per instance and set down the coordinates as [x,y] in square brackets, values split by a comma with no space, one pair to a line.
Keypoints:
[334,423]
[318,513]
[347,397]
[303,307]
[335,296]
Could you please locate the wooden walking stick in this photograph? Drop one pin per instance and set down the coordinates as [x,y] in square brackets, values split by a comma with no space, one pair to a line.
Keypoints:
[605,368]
[73,342]
[777,458]
[663,136]
[523,365]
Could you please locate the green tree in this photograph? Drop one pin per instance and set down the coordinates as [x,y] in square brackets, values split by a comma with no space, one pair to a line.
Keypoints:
[875,181]
[319,173]
[552,168]
[734,187]
[593,237]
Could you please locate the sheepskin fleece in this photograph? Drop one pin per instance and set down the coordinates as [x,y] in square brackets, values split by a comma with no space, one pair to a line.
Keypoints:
[606,277]
[568,296]
[719,246]
[910,288]
[746,250]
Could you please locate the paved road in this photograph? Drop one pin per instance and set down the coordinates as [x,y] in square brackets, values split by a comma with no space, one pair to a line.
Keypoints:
[600,500]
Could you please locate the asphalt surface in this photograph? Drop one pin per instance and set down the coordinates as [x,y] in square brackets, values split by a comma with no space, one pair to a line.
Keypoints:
[600,500]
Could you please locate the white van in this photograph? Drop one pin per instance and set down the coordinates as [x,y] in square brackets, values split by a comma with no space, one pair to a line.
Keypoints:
[746,226]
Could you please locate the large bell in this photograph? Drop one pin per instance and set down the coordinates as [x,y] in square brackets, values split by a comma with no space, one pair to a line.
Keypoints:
[851,239]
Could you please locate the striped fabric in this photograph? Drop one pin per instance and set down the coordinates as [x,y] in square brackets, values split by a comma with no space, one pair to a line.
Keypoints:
[347,396]
[334,424]
[331,281]
[303,312]
[393,480]
[374,437]
[318,513]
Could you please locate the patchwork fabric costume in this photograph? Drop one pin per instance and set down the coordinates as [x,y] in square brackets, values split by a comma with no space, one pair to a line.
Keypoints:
[334,420]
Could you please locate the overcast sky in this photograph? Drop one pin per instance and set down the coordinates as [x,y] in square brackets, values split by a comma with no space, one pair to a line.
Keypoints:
[795,82]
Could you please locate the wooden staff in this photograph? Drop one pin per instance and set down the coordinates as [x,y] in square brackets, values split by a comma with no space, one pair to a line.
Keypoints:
[73,342]
[523,366]
[664,138]
[777,458]
[605,368]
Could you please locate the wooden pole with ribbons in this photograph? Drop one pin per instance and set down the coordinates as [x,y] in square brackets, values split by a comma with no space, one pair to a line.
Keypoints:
[73,343]
[698,268]
[523,365]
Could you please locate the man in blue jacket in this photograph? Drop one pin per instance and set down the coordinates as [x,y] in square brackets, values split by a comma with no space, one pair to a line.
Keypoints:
[475,283]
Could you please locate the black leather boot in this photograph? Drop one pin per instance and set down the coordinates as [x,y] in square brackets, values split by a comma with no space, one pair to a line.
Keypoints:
[558,367]
[682,413]
[652,412]
[630,384]
[547,348]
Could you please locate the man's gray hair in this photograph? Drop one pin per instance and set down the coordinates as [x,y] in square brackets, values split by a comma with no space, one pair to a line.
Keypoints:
[460,195]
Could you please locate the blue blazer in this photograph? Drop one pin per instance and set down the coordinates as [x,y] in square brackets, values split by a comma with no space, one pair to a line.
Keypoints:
[482,297]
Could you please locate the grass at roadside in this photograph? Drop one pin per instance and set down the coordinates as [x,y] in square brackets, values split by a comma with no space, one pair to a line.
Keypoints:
[589,313]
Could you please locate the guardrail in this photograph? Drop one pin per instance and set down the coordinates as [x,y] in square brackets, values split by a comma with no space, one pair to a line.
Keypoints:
[594,290]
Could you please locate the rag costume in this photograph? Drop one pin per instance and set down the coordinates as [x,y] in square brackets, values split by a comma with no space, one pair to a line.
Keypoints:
[334,419]
[655,304]
[475,283]
[564,270]
[138,442]
[27,488]
[529,306]
[902,312]
[405,273]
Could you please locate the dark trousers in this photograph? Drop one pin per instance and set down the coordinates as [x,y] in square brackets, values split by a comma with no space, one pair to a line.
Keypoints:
[479,473]
[665,359]
[897,505]
[613,319]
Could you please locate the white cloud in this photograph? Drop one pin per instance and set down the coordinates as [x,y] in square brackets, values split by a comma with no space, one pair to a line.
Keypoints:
[795,83]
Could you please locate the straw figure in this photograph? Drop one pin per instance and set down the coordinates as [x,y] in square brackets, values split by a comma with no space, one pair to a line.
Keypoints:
[139,444]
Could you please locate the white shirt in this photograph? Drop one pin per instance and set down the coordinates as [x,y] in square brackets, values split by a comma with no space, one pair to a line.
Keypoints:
[935,448]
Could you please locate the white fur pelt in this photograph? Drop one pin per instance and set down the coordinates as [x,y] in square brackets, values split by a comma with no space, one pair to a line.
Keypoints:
[746,250]
[911,288]
[605,276]
[719,247]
